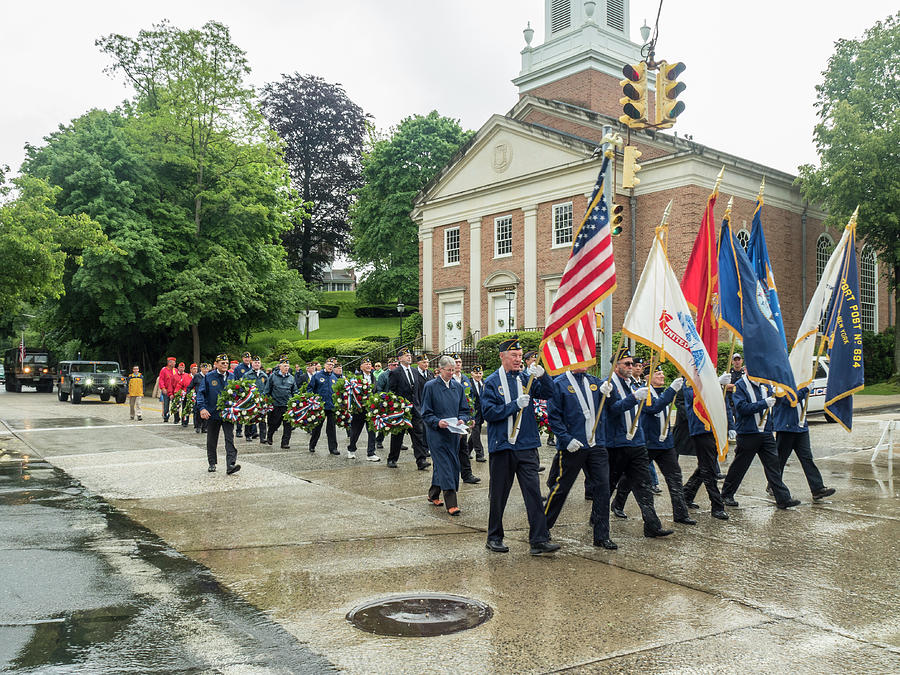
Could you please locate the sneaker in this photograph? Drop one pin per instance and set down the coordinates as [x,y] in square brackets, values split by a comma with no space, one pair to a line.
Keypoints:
[351,455]
[373,458]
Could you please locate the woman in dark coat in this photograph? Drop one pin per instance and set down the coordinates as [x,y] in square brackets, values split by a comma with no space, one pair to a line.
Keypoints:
[444,398]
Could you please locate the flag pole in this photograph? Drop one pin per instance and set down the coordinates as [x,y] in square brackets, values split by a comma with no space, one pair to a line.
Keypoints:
[612,367]
[527,389]
[634,423]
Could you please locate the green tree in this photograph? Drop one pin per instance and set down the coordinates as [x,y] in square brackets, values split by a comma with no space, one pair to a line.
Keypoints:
[857,140]
[36,244]
[384,237]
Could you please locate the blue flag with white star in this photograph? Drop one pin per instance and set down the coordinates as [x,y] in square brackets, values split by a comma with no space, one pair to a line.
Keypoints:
[758,253]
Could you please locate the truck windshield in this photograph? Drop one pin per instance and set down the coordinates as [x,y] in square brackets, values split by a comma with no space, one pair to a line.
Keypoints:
[107,368]
[35,358]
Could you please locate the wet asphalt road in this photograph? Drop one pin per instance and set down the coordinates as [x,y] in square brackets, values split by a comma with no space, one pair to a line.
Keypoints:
[84,589]
[304,538]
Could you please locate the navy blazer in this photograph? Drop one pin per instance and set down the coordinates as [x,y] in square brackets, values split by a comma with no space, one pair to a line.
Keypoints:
[210,388]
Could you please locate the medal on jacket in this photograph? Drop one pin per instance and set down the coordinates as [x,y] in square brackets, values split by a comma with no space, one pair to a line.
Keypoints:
[215,383]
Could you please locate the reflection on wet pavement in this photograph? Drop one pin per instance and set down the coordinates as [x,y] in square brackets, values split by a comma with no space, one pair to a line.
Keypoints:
[84,589]
[31,423]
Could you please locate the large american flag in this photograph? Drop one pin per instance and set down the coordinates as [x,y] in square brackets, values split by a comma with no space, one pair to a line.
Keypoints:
[570,337]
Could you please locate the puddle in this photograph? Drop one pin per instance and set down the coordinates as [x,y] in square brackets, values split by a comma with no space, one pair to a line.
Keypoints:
[31,423]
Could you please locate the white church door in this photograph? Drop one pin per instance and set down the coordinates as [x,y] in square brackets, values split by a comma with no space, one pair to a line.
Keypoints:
[452,328]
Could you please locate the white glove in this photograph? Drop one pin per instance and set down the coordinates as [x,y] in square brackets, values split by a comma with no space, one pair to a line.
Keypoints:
[770,401]
[536,370]
[725,379]
[574,445]
[523,401]
[606,388]
[640,393]
[677,383]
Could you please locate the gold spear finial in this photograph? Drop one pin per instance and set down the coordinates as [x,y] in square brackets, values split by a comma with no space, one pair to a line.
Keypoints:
[852,222]
[762,188]
[719,180]
[728,208]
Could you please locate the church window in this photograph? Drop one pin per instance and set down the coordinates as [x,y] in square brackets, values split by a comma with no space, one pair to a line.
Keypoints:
[868,289]
[824,247]
[744,237]
[451,246]
[562,224]
[502,236]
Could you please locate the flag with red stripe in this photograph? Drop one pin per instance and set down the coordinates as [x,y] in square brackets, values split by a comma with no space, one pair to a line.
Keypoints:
[570,336]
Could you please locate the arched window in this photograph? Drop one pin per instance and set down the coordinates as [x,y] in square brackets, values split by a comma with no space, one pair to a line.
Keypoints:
[744,237]
[824,248]
[868,288]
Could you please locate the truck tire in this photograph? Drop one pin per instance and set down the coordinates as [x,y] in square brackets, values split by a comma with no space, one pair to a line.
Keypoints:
[10,385]
[104,397]
[76,394]
[121,396]
[62,395]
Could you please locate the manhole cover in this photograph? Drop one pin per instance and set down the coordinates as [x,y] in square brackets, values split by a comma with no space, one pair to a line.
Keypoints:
[421,615]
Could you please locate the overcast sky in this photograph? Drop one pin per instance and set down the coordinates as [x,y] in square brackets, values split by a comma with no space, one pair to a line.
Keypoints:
[751,66]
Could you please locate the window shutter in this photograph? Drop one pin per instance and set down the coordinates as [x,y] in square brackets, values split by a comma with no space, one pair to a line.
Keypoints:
[615,15]
[560,15]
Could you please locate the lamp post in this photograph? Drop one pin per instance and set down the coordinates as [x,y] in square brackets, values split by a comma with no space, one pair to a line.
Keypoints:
[400,308]
[509,294]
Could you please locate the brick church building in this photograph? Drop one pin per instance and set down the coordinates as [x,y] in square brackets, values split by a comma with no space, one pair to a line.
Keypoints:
[495,226]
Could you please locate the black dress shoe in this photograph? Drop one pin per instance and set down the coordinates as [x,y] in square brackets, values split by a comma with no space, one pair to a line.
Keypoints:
[657,533]
[608,544]
[424,465]
[720,476]
[311,449]
[239,434]
[403,447]
[285,447]
[234,468]
[497,546]
[656,490]
[471,479]
[380,446]
[729,501]
[693,505]
[721,515]
[824,492]
[617,512]
[541,468]
[788,504]
[391,464]
[543,547]
[196,430]
[212,467]
[589,498]
[686,521]
[480,459]
[334,452]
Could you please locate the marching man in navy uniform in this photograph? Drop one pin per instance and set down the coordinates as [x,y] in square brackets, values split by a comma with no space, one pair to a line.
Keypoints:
[260,378]
[465,464]
[660,447]
[443,398]
[280,387]
[704,443]
[627,453]
[474,442]
[322,383]
[207,398]
[512,452]
[580,443]
[792,435]
[358,418]
[752,402]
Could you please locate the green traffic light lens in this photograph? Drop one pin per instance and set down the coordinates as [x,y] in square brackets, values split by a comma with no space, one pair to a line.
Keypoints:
[676,110]
[616,231]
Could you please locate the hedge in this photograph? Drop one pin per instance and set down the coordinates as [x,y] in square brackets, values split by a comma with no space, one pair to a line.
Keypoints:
[489,357]
[382,311]
[878,355]
[411,329]
[328,311]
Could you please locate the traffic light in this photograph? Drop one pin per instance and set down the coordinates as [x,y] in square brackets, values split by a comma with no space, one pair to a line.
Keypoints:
[634,101]
[615,221]
[631,167]
[667,90]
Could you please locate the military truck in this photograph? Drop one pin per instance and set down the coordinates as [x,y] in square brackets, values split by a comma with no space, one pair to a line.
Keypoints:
[77,379]
[28,367]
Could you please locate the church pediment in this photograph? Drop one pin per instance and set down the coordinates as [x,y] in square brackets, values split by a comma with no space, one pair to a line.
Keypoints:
[503,151]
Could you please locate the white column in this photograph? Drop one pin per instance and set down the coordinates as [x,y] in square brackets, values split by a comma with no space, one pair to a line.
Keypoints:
[474,274]
[529,272]
[427,287]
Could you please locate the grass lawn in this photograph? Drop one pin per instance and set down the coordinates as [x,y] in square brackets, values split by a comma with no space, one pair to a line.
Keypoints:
[344,325]
[881,389]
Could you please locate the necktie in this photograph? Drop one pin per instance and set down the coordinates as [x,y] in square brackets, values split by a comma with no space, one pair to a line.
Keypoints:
[410,378]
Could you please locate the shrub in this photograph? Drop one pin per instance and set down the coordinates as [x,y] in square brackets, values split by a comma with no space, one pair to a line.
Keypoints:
[328,311]
[376,338]
[319,350]
[489,357]
[411,329]
[381,311]
[878,355]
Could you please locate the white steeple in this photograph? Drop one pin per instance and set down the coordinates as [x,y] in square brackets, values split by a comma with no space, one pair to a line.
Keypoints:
[579,34]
